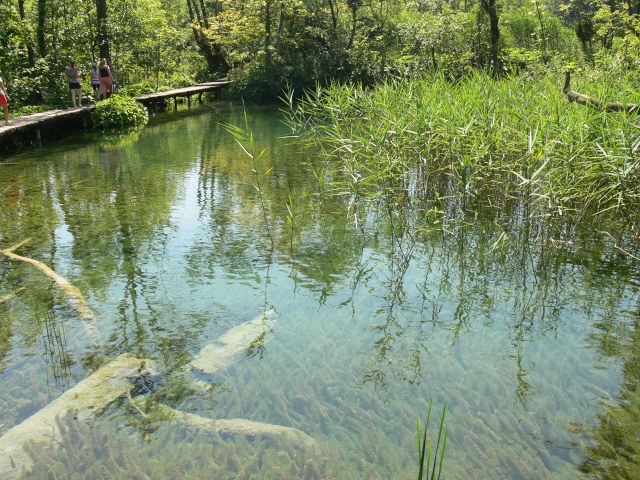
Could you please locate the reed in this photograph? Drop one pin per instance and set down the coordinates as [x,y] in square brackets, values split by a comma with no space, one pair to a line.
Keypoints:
[244,137]
[479,140]
[424,448]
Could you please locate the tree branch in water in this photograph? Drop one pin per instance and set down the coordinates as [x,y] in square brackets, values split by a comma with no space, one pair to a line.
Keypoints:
[11,295]
[75,297]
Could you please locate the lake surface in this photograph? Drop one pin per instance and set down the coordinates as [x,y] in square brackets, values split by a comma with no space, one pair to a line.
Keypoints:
[530,344]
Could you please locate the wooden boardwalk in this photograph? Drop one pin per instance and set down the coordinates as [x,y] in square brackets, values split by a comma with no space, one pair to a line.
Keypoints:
[31,125]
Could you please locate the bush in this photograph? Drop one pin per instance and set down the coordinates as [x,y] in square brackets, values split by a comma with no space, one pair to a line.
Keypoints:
[119,111]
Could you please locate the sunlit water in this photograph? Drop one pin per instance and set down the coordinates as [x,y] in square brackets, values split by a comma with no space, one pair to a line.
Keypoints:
[164,234]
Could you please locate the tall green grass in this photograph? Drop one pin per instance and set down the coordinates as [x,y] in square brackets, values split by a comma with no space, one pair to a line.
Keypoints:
[480,141]
[424,449]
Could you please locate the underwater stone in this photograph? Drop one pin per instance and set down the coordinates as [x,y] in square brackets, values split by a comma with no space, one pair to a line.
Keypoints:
[227,348]
[88,398]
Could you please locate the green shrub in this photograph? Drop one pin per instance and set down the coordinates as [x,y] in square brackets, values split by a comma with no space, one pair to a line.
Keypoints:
[117,111]
[30,110]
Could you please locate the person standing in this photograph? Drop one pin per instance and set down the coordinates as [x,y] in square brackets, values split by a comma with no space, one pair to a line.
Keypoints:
[95,80]
[106,79]
[4,99]
[74,82]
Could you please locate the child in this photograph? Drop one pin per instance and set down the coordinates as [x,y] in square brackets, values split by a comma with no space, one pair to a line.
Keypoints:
[4,98]
[95,80]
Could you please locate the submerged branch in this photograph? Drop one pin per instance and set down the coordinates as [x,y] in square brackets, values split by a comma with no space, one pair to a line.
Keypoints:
[11,295]
[615,245]
[75,296]
[594,102]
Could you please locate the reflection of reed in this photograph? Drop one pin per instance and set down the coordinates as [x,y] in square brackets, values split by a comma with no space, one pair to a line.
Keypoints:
[56,355]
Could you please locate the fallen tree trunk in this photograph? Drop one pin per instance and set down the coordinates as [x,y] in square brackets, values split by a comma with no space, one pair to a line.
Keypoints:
[594,102]
[75,296]
[88,398]
[236,426]
[230,347]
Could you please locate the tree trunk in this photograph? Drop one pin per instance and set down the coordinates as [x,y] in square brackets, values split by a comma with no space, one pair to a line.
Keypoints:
[334,18]
[42,17]
[267,31]
[30,53]
[541,21]
[205,17]
[594,102]
[489,6]
[36,95]
[212,52]
[354,11]
[280,23]
[103,37]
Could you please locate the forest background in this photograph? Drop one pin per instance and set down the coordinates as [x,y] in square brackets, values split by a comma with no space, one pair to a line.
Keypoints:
[265,46]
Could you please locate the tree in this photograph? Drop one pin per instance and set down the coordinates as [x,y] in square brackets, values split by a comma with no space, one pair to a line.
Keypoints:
[103,34]
[489,6]
[211,51]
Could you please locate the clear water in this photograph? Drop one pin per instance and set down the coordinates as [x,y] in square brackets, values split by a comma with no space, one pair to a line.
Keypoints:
[164,234]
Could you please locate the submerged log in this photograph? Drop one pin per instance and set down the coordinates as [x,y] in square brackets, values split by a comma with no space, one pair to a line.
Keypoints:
[229,347]
[87,399]
[11,295]
[594,102]
[75,296]
[237,426]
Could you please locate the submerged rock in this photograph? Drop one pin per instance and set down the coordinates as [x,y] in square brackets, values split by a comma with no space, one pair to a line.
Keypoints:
[228,348]
[88,398]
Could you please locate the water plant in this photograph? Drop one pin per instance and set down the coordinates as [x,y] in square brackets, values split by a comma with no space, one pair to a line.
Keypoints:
[425,451]
[244,137]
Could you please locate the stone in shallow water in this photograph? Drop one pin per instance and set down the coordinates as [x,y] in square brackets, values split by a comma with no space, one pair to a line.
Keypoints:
[88,398]
[228,348]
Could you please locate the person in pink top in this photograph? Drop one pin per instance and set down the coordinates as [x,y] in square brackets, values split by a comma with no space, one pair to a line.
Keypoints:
[4,99]
[106,79]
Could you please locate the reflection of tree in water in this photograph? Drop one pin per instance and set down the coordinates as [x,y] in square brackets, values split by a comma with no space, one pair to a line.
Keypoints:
[613,446]
[498,270]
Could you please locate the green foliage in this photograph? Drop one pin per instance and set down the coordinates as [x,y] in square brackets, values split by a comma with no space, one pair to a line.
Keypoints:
[118,112]
[30,110]
[135,90]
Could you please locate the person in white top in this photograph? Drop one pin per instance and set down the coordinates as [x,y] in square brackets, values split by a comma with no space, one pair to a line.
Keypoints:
[4,98]
[95,80]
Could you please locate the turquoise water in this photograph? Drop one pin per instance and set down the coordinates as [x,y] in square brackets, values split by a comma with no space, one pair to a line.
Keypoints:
[163,232]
